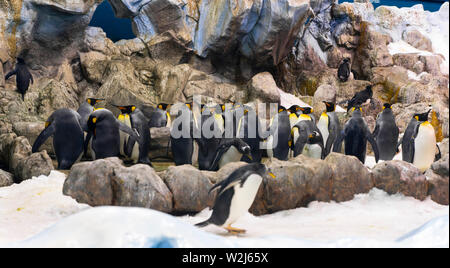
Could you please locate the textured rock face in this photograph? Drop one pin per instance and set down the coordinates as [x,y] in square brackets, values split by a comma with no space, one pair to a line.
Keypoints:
[107,182]
[400,177]
[16,155]
[350,177]
[263,87]
[261,29]
[6,178]
[189,187]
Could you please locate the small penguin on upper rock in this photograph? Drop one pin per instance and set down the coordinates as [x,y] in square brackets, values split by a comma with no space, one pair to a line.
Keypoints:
[344,70]
[23,77]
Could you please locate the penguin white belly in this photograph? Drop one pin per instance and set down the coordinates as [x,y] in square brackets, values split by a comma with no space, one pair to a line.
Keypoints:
[424,147]
[135,153]
[231,155]
[294,140]
[312,150]
[322,125]
[243,198]
[269,146]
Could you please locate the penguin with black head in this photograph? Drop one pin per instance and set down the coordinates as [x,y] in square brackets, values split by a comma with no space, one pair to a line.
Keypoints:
[104,130]
[230,150]
[280,131]
[344,70]
[85,110]
[356,133]
[23,77]
[360,98]
[64,126]
[249,131]
[329,126]
[182,136]
[209,141]
[419,142]
[306,139]
[386,133]
[235,196]
[160,117]
[135,119]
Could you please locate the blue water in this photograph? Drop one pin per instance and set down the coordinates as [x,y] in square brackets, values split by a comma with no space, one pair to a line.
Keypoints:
[117,29]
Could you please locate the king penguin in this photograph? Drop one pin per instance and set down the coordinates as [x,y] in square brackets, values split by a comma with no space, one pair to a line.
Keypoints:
[230,150]
[182,137]
[135,119]
[360,98]
[419,142]
[249,131]
[64,126]
[160,117]
[386,133]
[356,133]
[306,139]
[329,126]
[236,195]
[104,130]
[85,110]
[280,131]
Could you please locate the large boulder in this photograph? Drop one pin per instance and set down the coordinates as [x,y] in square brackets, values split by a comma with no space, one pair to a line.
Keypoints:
[438,187]
[190,188]
[107,182]
[16,154]
[6,178]
[400,177]
[417,40]
[297,183]
[263,87]
[350,176]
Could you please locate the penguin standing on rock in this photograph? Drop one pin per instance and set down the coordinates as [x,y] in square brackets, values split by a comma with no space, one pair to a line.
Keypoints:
[419,142]
[104,129]
[329,126]
[344,70]
[386,133]
[235,196]
[64,126]
[181,136]
[360,98]
[135,119]
[23,77]
[356,134]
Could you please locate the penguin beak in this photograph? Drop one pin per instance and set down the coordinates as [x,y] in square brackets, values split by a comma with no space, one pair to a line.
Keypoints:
[94,120]
[47,124]
[272,175]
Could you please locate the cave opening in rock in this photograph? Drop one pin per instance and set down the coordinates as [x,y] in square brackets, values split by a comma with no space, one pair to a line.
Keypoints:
[115,28]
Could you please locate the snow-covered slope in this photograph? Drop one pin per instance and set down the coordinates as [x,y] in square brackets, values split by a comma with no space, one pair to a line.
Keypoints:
[35,213]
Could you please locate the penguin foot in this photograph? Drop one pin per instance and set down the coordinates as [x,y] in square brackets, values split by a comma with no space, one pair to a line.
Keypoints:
[234,231]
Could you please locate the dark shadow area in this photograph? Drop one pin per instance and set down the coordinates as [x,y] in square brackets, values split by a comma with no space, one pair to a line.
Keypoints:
[115,28]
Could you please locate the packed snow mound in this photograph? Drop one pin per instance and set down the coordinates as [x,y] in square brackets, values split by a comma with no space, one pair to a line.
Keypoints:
[366,221]
[33,205]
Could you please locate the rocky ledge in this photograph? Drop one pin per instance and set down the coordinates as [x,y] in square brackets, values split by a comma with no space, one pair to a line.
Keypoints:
[184,189]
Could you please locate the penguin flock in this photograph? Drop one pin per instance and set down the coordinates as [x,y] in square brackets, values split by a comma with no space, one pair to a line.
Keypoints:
[213,135]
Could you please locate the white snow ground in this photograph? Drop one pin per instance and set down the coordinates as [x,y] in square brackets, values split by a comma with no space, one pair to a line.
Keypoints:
[35,213]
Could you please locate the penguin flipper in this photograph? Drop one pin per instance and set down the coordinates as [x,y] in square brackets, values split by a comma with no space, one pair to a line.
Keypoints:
[129,131]
[220,151]
[8,75]
[45,134]
[86,142]
[203,223]
[338,142]
[438,155]
[374,146]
